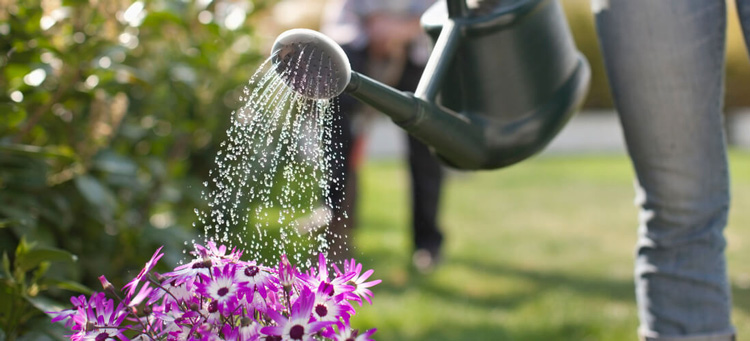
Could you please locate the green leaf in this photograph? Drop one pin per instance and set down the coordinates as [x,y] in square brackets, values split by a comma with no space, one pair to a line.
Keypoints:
[8,299]
[66,285]
[33,257]
[23,247]
[40,271]
[157,19]
[6,274]
[45,304]
[16,70]
[41,330]
[96,194]
[63,152]
[14,114]
[108,161]
[18,216]
[2,334]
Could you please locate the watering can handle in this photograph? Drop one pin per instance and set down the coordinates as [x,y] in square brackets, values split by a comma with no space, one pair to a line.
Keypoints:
[442,53]
[457,8]
[439,62]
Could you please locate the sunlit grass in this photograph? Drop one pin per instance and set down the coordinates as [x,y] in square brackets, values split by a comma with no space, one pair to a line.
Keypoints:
[539,251]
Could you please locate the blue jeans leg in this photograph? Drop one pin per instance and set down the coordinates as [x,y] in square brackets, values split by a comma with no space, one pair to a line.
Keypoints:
[665,63]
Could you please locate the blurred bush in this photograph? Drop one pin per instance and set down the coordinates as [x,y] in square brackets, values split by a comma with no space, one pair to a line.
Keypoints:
[111,112]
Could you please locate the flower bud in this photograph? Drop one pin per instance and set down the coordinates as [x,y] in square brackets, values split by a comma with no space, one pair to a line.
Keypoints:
[246,321]
[213,306]
[108,287]
[159,277]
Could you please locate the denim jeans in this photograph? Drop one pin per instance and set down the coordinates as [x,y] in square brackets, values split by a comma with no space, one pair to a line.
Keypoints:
[665,63]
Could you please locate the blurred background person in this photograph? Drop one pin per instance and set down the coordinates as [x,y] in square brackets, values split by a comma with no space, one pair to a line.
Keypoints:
[385,40]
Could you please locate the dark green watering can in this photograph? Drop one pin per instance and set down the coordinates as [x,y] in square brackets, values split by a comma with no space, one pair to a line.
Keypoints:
[501,82]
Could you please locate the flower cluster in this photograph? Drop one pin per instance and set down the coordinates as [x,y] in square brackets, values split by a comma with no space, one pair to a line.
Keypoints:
[218,296]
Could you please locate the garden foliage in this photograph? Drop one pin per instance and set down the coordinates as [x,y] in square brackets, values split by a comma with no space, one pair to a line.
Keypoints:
[111,112]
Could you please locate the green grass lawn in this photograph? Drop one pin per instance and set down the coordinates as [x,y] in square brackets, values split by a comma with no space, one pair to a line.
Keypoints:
[542,250]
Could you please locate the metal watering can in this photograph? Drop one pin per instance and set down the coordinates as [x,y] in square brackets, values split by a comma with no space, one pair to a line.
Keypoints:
[496,89]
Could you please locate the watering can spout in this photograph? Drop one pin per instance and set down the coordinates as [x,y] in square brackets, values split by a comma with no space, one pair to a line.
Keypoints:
[496,89]
[455,138]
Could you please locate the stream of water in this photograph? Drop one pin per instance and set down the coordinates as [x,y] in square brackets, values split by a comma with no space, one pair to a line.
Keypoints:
[272,174]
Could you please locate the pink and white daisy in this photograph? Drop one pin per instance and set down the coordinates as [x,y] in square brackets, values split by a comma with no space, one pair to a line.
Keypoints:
[132,285]
[258,277]
[222,287]
[248,332]
[333,287]
[252,300]
[299,325]
[352,271]
[328,308]
[346,333]
[98,319]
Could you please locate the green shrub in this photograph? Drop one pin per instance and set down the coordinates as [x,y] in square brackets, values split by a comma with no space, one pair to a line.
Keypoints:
[112,112]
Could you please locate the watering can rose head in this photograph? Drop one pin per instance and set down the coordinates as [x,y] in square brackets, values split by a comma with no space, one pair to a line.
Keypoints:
[218,296]
[311,63]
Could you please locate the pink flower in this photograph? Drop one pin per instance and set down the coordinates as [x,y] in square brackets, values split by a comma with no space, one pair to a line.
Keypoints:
[206,258]
[95,319]
[338,285]
[287,273]
[222,287]
[352,271]
[146,269]
[330,308]
[299,326]
[346,333]
[244,332]
[252,300]
[219,297]
[258,277]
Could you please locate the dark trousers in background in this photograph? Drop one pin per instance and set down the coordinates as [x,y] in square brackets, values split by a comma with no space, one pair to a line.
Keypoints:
[426,171]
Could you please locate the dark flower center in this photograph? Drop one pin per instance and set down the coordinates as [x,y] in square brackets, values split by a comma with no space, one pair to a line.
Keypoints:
[328,289]
[297,332]
[350,339]
[223,291]
[213,307]
[198,265]
[102,337]
[321,310]
[251,271]
[273,338]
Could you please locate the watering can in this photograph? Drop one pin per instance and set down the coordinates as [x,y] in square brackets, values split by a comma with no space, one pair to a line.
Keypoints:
[499,85]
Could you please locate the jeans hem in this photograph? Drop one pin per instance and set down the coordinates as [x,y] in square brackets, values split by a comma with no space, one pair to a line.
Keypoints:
[647,335]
